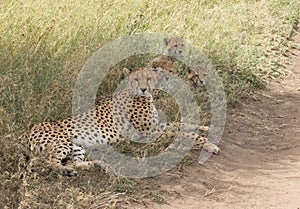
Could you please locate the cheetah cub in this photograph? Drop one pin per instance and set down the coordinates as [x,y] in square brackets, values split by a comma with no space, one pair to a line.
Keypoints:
[175,47]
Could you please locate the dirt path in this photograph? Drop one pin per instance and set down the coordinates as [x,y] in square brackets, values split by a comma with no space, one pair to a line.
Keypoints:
[260,162]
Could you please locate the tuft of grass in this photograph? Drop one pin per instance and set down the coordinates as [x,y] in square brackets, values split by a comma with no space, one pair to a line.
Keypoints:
[43,46]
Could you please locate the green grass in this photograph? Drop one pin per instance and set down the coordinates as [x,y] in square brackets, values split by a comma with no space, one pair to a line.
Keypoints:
[43,46]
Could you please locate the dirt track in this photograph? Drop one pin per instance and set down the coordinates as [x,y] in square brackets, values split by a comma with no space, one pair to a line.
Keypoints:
[260,162]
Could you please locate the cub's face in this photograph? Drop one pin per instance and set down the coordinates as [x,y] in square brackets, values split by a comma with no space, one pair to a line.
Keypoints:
[197,76]
[174,46]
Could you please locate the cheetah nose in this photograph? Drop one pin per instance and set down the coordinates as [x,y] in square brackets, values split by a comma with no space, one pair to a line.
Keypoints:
[143,90]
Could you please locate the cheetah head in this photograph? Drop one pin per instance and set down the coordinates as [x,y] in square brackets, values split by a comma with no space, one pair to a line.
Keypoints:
[143,80]
[174,46]
[197,75]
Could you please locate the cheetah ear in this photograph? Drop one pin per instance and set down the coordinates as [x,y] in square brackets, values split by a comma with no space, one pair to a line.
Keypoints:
[126,71]
[166,40]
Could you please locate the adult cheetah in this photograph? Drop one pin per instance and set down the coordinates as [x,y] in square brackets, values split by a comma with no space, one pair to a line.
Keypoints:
[63,141]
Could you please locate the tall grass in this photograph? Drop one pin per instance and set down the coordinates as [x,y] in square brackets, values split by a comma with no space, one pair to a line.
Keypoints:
[44,44]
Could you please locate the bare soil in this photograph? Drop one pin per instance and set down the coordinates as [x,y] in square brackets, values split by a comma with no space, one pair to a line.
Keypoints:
[259,166]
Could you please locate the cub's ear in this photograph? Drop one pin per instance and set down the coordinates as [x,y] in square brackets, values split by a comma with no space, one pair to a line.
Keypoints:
[166,41]
[126,71]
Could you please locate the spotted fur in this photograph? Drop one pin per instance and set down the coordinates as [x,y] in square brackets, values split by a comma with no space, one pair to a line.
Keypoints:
[64,142]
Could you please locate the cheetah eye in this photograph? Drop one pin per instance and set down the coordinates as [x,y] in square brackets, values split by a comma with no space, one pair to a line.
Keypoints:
[175,45]
[182,45]
[136,79]
[149,79]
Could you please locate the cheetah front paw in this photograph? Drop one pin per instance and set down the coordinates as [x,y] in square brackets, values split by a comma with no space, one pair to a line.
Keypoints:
[209,147]
[204,128]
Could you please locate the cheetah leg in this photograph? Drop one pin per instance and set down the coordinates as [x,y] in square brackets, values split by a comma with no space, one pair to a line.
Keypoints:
[79,158]
[188,132]
[184,126]
[65,170]
[90,164]
[203,143]
[80,161]
[211,148]
[84,165]
[59,153]
[193,127]
[203,128]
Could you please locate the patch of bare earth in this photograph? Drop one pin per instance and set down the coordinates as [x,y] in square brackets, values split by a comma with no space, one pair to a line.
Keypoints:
[259,166]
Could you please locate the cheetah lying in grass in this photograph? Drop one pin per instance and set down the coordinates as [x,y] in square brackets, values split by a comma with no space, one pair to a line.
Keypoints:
[58,140]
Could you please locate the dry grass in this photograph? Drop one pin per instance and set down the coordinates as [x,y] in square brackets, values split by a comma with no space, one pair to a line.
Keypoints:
[43,46]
